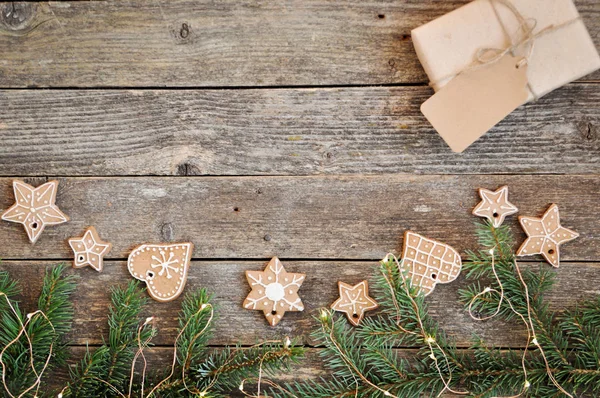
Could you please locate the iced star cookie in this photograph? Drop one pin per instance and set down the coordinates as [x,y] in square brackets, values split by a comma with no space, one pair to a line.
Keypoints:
[35,208]
[495,205]
[545,235]
[163,267]
[354,301]
[89,250]
[274,291]
[428,262]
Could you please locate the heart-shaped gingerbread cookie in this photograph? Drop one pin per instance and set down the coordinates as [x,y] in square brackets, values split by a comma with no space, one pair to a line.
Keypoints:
[164,268]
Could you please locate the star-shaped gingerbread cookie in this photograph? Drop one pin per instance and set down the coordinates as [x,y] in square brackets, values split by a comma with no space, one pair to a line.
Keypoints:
[545,235]
[495,205]
[274,291]
[354,301]
[35,208]
[89,250]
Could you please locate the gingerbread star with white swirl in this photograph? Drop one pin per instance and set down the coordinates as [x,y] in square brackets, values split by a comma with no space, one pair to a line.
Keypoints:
[545,235]
[354,301]
[35,208]
[274,291]
[89,250]
[495,205]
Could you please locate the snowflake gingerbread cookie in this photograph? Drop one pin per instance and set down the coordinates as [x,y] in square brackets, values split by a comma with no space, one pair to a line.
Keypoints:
[354,301]
[428,262]
[495,205]
[545,235]
[274,291]
[163,267]
[89,250]
[35,208]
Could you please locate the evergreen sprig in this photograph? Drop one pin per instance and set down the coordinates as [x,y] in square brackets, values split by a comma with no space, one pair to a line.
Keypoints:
[45,333]
[197,371]
[365,363]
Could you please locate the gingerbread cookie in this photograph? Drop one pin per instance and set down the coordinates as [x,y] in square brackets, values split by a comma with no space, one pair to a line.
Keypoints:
[274,291]
[428,262]
[545,235]
[495,205]
[35,208]
[354,301]
[89,250]
[164,268]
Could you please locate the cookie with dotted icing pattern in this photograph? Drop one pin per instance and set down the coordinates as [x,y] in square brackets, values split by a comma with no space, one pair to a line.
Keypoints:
[35,208]
[89,250]
[354,301]
[545,235]
[428,262]
[274,291]
[163,267]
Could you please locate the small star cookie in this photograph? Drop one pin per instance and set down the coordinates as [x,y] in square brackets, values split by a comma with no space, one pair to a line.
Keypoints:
[89,250]
[35,208]
[354,301]
[545,235]
[163,267]
[274,291]
[495,205]
[429,262]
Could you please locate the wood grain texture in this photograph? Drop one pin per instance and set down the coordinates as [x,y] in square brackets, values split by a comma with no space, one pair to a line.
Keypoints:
[226,43]
[282,132]
[357,217]
[576,281]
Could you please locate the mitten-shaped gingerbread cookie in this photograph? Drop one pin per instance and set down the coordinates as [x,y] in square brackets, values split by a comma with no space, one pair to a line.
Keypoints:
[428,262]
[163,268]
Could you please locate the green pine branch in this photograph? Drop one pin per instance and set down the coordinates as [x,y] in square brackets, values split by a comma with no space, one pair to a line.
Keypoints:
[46,333]
[364,362]
[198,371]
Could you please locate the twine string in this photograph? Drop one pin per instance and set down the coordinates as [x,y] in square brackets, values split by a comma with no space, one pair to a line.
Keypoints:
[428,339]
[23,331]
[531,335]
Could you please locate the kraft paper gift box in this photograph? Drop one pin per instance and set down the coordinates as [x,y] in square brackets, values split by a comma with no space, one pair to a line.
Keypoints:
[560,50]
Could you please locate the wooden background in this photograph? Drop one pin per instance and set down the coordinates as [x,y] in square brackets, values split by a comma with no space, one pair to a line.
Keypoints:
[259,128]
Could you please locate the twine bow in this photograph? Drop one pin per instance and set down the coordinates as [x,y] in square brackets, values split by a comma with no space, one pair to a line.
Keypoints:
[526,38]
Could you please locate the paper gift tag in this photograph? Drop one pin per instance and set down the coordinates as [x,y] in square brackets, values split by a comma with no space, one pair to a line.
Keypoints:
[476,100]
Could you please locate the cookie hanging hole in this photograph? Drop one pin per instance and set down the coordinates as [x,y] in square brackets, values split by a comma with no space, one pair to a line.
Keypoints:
[355,315]
[273,312]
[34,225]
[81,258]
[495,215]
[551,251]
[433,276]
[150,275]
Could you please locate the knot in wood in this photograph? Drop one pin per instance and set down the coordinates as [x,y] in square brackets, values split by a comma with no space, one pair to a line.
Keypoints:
[182,32]
[17,15]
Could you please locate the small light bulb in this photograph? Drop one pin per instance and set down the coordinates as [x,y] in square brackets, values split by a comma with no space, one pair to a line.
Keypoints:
[534,341]
[527,384]
[59,395]
[203,394]
[430,340]
[29,315]
[324,315]
[491,252]
[203,306]
[148,320]
[288,342]
[387,394]
[432,356]
[242,386]
[487,289]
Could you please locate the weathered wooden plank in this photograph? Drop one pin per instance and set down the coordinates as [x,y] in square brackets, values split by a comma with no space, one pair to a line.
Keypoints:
[282,132]
[226,43]
[358,217]
[576,281]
